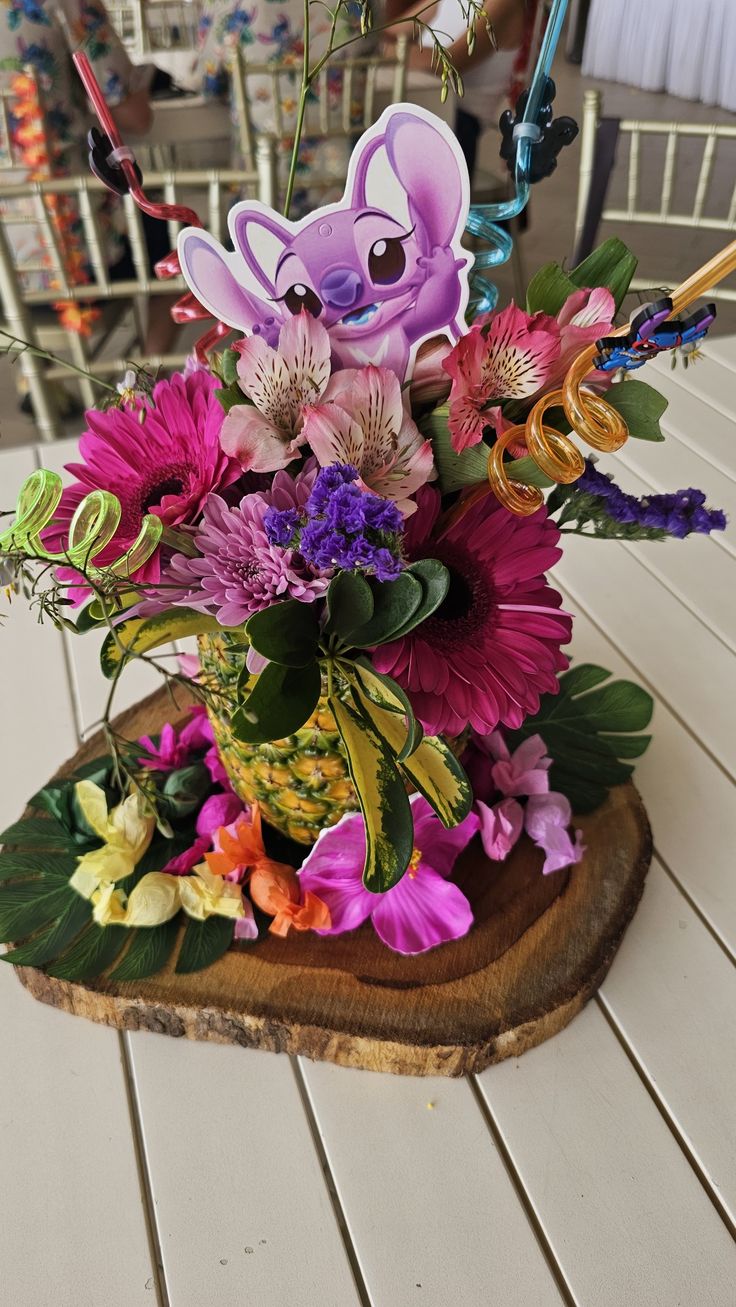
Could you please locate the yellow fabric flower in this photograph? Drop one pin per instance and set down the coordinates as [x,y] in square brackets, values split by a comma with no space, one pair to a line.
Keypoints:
[205,894]
[126,832]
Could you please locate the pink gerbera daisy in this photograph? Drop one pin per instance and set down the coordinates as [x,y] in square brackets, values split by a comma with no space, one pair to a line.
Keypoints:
[167,464]
[493,646]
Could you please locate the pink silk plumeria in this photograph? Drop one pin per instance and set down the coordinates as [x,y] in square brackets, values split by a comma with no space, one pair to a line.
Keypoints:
[546,816]
[516,355]
[267,434]
[423,910]
[362,421]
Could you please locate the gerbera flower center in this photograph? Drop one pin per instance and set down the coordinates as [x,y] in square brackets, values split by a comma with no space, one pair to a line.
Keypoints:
[151,496]
[466,606]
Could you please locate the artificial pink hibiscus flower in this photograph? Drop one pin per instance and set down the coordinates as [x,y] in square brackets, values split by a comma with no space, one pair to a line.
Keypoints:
[509,355]
[362,422]
[494,644]
[423,910]
[267,434]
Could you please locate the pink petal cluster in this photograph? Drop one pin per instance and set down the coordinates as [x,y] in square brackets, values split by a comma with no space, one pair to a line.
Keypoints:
[423,910]
[546,816]
[517,355]
[494,645]
[267,434]
[363,422]
[162,457]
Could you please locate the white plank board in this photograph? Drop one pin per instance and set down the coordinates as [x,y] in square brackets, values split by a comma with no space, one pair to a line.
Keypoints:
[447,1226]
[705,427]
[242,1209]
[626,1216]
[671,975]
[73,1223]
[676,779]
[690,668]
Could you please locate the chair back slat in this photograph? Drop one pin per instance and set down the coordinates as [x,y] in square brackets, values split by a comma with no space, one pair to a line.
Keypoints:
[671,208]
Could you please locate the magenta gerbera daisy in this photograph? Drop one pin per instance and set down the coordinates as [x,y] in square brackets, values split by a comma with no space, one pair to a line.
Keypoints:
[167,464]
[493,647]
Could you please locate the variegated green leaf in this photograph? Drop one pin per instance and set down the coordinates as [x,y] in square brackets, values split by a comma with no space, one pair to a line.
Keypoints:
[432,768]
[141,634]
[381,794]
[376,688]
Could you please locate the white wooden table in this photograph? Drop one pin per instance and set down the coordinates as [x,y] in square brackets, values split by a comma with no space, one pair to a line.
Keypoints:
[597,1170]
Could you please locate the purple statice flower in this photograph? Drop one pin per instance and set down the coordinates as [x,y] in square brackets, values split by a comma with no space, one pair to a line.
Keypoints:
[342,526]
[595,500]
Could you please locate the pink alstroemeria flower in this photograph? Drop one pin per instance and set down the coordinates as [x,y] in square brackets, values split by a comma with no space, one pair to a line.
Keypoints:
[425,908]
[266,435]
[362,421]
[585,316]
[509,355]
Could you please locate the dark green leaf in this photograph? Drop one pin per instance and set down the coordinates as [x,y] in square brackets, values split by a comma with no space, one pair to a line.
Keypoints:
[641,407]
[281,701]
[229,396]
[90,618]
[286,633]
[612,264]
[204,942]
[393,603]
[150,949]
[92,953]
[37,833]
[48,866]
[54,939]
[435,582]
[29,905]
[349,605]
[185,790]
[586,730]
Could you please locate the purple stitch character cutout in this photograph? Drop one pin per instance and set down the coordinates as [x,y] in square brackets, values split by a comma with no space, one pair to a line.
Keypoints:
[383,268]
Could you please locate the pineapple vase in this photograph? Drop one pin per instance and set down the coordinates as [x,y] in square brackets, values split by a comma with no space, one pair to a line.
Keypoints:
[302,782]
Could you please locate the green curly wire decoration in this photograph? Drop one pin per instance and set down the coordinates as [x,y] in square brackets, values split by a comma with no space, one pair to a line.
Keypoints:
[91,529]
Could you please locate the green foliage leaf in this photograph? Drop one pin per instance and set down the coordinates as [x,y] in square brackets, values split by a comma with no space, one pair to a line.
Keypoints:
[525,471]
[641,407]
[281,701]
[377,688]
[229,366]
[204,942]
[52,941]
[229,396]
[91,954]
[612,265]
[432,768]
[286,633]
[394,602]
[349,604]
[29,905]
[381,794]
[586,729]
[37,833]
[17,866]
[150,949]
[435,582]
[141,634]
[454,470]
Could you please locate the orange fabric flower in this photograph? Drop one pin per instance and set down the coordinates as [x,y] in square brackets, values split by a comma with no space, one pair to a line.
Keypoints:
[274,886]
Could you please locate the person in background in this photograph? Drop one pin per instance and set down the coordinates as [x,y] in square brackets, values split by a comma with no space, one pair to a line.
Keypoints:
[274,34]
[39,35]
[487,72]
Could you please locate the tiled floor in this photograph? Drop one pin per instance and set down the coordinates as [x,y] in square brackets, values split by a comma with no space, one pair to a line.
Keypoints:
[667,254]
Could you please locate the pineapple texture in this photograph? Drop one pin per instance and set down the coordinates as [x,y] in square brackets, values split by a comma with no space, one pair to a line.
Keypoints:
[301,783]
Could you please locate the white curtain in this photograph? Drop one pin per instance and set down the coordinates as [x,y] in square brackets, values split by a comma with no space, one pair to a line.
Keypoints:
[686,47]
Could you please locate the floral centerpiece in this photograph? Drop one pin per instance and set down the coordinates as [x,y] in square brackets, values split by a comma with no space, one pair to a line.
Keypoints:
[384,669]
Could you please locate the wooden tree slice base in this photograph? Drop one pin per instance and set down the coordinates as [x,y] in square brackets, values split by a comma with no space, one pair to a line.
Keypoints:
[539,949]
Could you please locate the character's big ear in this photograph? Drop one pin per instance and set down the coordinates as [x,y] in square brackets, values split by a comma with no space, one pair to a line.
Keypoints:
[211,273]
[438,194]
[261,236]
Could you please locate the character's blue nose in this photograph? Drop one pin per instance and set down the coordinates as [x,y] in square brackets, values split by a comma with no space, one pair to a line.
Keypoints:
[341,288]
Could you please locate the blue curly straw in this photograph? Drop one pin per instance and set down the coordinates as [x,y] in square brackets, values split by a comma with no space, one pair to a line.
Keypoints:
[483,218]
